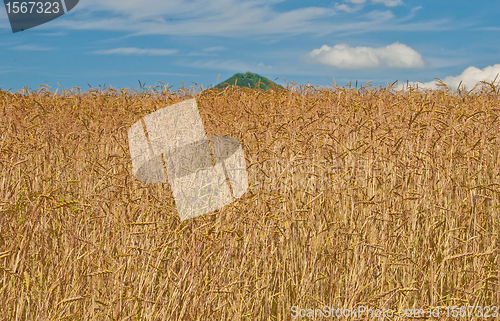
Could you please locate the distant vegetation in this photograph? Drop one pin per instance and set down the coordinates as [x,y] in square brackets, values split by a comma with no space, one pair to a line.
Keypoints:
[248,80]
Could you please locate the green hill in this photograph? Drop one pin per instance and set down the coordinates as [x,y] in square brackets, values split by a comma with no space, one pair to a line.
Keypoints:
[248,80]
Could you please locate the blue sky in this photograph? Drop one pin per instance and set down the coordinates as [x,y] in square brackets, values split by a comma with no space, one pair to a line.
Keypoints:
[115,43]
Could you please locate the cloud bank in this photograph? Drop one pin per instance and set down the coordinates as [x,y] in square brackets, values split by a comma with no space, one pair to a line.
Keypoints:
[342,56]
[136,51]
[470,77]
[237,18]
[389,3]
[359,4]
[32,48]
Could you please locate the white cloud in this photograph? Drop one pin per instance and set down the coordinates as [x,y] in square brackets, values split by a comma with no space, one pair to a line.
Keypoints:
[217,64]
[193,17]
[261,65]
[470,77]
[229,18]
[342,56]
[136,51]
[346,8]
[210,49]
[4,70]
[380,15]
[52,34]
[32,48]
[114,73]
[389,3]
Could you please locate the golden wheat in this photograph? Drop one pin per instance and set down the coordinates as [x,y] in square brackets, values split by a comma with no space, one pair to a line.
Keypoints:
[357,197]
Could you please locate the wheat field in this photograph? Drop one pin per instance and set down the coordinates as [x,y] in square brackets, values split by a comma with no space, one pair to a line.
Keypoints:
[358,197]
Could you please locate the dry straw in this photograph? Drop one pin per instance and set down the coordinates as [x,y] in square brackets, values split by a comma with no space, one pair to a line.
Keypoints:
[415,226]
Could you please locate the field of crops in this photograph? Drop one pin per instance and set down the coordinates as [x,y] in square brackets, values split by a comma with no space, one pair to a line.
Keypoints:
[358,198]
